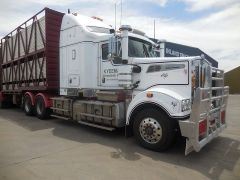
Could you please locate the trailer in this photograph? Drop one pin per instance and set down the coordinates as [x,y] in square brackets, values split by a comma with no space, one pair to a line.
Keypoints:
[78,68]
[30,57]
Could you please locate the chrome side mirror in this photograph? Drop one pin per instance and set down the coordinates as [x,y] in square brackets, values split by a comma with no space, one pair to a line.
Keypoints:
[112,47]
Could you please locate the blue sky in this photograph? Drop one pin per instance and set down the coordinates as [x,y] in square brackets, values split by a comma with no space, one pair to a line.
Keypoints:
[173,9]
[211,25]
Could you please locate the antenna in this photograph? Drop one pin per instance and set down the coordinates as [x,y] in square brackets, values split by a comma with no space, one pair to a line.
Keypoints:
[115,15]
[154,29]
[121,14]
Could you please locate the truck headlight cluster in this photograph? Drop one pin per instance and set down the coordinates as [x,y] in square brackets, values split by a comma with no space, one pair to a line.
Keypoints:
[186,105]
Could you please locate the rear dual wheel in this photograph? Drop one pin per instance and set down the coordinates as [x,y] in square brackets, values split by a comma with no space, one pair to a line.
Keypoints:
[28,105]
[4,104]
[42,112]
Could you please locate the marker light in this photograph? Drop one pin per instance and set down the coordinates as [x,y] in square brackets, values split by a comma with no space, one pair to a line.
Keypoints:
[149,94]
[223,114]
[97,18]
[202,127]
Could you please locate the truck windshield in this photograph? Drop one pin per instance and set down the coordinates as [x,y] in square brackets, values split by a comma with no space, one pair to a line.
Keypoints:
[140,48]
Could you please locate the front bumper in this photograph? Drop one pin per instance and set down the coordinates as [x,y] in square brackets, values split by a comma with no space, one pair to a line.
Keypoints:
[202,110]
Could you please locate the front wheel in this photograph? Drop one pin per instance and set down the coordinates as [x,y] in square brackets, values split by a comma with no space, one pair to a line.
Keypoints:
[153,129]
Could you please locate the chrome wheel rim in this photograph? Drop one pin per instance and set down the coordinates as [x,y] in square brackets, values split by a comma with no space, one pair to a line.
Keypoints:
[150,130]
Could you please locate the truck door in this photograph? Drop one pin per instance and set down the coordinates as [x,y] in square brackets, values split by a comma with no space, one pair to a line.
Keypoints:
[73,65]
[108,69]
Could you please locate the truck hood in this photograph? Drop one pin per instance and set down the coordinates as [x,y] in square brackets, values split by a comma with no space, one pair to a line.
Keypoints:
[168,92]
[161,59]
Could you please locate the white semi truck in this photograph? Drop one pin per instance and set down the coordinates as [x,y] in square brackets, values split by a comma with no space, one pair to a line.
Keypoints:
[77,68]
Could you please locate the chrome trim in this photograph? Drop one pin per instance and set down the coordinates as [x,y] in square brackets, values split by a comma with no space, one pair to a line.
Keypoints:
[203,108]
[150,130]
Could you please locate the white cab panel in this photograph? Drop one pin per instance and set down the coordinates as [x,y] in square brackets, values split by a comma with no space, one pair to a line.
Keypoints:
[164,73]
[79,52]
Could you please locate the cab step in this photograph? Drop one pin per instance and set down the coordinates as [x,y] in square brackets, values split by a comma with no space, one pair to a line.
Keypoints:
[60,117]
[97,126]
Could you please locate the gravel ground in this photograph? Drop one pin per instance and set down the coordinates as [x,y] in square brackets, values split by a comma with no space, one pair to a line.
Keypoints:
[34,149]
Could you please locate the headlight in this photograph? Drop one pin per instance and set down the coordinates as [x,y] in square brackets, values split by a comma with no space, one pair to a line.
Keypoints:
[186,105]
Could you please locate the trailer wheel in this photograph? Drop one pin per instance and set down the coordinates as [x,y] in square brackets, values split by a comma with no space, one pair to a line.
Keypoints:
[41,110]
[153,129]
[2,105]
[27,105]
[6,103]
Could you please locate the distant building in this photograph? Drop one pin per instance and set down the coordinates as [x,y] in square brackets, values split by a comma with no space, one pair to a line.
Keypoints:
[232,79]
[169,49]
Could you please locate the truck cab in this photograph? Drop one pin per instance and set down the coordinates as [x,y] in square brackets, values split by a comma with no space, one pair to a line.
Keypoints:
[114,79]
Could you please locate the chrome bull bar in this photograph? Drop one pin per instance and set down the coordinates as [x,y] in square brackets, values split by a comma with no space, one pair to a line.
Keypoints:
[207,118]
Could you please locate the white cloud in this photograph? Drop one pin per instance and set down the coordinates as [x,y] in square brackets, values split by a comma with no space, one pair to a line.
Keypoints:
[161,3]
[198,5]
[216,34]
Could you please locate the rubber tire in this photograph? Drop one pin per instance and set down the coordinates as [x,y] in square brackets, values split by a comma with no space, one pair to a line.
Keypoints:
[2,106]
[168,129]
[30,110]
[42,113]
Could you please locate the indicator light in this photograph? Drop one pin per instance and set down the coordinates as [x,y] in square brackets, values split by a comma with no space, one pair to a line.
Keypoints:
[149,94]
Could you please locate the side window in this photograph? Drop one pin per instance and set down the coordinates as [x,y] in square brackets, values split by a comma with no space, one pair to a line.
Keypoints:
[105,51]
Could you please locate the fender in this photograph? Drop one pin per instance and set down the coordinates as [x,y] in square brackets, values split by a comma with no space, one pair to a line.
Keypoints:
[31,95]
[168,100]
[46,98]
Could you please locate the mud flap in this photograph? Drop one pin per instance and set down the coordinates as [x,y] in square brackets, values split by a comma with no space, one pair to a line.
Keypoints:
[189,147]
[188,130]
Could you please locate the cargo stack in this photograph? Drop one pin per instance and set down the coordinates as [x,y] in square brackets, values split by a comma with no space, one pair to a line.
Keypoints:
[30,54]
